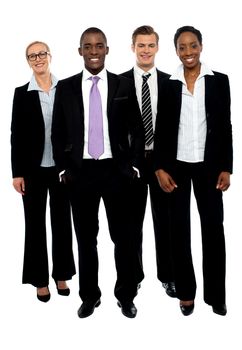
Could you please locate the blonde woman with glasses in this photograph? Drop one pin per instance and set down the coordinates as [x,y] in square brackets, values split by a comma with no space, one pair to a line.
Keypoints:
[35,177]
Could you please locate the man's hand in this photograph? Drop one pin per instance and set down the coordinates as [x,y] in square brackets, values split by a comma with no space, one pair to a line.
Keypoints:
[19,185]
[166,182]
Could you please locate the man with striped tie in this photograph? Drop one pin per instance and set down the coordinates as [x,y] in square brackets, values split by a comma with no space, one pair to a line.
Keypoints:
[148,79]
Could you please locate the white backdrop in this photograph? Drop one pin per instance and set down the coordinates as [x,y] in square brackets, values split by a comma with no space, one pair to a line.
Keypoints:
[28,324]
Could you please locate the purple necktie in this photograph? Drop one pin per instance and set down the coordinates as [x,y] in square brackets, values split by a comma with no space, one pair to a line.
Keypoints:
[95,132]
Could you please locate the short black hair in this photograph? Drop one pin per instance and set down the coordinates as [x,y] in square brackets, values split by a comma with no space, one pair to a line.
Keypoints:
[187,29]
[93,30]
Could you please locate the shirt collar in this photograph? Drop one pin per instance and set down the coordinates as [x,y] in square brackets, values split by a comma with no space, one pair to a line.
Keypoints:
[140,72]
[102,75]
[33,85]
[179,73]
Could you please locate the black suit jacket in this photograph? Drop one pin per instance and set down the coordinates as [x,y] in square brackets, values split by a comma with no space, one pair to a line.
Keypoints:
[124,123]
[27,132]
[218,147]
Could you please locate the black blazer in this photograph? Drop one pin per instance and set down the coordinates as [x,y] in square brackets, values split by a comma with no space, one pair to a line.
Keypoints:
[218,147]
[124,123]
[27,132]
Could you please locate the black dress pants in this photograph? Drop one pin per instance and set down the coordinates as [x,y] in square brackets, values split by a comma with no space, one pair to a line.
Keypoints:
[36,266]
[210,208]
[101,179]
[161,220]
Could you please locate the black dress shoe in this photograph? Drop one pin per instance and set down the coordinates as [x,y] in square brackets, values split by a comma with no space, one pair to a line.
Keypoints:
[65,291]
[170,289]
[187,309]
[44,298]
[128,308]
[87,308]
[220,309]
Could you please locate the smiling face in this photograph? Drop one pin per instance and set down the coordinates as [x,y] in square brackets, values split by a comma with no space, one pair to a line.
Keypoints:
[145,48]
[39,66]
[188,49]
[94,50]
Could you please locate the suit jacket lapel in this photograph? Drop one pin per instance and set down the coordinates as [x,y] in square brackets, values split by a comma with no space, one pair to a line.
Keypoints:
[177,96]
[112,87]
[35,106]
[209,88]
[77,88]
[130,74]
[77,83]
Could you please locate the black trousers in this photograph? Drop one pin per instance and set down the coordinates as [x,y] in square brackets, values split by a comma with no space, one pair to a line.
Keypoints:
[160,216]
[210,208]
[102,179]
[36,267]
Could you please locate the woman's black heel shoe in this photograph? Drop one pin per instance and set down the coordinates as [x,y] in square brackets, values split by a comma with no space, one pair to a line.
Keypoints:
[44,298]
[65,291]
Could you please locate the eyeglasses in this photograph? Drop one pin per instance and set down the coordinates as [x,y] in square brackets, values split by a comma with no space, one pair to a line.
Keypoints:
[33,56]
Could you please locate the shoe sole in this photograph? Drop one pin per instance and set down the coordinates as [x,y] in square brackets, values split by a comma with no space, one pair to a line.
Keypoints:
[219,313]
[43,298]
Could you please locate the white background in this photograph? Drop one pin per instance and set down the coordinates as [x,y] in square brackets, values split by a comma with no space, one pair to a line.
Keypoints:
[25,322]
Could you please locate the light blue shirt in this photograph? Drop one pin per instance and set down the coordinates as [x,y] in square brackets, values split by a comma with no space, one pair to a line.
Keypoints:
[47,103]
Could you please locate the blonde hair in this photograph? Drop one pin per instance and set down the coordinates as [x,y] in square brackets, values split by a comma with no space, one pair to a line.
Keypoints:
[33,43]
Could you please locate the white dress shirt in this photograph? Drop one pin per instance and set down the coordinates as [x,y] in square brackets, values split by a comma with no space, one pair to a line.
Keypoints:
[193,125]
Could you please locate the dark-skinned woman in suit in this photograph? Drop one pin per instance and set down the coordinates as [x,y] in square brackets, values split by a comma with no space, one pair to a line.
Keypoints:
[193,146]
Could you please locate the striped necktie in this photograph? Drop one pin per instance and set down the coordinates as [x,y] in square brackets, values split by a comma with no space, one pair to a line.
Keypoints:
[146,110]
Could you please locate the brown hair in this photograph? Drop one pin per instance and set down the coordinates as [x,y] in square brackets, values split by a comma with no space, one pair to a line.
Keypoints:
[144,30]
